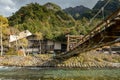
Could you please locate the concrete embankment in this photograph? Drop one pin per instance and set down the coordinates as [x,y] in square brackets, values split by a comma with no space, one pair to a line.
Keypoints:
[87,60]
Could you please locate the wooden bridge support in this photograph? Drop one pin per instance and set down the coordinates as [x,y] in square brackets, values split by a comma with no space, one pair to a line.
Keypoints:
[72,40]
[68,42]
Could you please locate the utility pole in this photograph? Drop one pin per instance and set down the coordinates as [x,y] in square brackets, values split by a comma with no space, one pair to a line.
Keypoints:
[1,39]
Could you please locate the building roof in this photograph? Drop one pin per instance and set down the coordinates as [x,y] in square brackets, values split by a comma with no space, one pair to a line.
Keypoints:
[21,35]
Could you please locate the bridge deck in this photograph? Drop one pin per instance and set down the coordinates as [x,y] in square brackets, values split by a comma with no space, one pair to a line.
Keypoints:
[108,31]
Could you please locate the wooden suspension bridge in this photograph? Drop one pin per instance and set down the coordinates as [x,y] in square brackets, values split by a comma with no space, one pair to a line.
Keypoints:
[105,33]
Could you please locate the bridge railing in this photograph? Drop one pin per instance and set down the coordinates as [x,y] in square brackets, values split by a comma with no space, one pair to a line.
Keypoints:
[101,26]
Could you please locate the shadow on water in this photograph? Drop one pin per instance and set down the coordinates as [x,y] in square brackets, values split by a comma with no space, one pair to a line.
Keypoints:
[54,61]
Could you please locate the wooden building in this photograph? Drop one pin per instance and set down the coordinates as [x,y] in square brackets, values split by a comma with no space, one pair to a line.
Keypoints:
[44,46]
[36,45]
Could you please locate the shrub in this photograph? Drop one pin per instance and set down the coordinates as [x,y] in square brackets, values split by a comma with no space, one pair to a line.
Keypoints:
[11,51]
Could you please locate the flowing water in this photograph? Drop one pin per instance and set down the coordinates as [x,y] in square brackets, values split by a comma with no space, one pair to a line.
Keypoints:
[13,73]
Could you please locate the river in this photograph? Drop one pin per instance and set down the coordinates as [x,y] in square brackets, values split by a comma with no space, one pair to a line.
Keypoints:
[33,73]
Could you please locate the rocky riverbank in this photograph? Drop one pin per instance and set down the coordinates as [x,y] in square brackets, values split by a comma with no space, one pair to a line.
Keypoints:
[84,60]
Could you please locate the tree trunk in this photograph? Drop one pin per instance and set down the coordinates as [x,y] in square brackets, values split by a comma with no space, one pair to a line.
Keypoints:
[1,41]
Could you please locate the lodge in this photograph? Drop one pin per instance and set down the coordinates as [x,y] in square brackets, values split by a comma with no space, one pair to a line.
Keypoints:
[36,45]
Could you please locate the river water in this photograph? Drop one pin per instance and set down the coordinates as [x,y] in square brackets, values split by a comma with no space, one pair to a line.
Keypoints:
[13,73]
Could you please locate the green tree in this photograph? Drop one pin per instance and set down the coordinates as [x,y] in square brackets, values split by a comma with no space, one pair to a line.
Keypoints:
[37,18]
[4,31]
[24,44]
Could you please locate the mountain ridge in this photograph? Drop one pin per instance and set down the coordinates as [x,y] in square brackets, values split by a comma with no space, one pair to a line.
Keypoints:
[77,11]
[112,6]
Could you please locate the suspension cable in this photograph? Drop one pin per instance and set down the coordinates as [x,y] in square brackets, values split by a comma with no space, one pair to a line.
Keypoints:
[101,10]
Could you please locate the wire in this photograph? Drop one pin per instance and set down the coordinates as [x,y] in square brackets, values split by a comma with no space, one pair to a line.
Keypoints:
[101,10]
